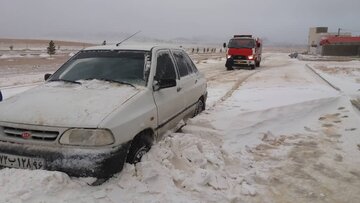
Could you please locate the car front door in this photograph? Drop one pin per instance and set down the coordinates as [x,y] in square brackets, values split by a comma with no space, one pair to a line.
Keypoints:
[168,100]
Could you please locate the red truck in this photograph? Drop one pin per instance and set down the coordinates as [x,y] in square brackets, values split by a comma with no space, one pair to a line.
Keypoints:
[243,50]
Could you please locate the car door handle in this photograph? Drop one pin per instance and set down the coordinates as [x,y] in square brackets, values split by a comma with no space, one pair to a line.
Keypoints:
[178,89]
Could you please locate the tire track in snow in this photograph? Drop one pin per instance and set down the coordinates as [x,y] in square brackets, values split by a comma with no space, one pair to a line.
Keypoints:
[223,73]
[235,86]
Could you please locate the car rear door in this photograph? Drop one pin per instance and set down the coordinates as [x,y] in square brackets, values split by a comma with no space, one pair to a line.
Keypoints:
[190,85]
[168,100]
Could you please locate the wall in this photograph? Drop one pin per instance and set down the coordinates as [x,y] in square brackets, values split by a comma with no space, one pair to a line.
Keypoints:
[314,37]
[341,50]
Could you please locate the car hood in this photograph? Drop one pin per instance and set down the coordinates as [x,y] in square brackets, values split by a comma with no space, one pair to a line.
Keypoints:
[66,105]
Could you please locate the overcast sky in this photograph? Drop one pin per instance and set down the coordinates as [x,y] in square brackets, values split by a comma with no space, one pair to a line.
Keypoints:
[285,21]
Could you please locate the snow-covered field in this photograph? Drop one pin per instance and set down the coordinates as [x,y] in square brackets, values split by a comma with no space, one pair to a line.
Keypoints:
[279,133]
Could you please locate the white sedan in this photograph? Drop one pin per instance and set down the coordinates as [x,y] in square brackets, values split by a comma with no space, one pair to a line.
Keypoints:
[104,106]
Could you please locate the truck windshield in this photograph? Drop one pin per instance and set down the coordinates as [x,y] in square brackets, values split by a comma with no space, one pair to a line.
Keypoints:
[241,43]
[125,67]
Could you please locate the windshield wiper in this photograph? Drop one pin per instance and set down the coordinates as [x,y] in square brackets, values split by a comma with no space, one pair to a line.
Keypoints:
[109,80]
[64,80]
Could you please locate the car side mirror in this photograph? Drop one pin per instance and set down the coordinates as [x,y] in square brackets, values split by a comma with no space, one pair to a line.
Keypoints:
[164,83]
[258,45]
[224,45]
[46,76]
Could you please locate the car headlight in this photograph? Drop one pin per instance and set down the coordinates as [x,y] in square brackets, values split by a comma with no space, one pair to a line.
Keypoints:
[228,56]
[251,57]
[87,137]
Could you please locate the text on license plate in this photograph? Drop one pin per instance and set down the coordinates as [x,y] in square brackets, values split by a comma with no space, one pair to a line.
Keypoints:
[23,162]
[240,62]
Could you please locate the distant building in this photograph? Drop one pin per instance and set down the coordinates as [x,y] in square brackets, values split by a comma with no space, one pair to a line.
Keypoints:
[315,34]
[321,42]
[340,46]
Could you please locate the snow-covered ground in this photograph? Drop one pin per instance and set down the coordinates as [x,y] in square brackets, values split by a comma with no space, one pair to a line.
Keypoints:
[279,133]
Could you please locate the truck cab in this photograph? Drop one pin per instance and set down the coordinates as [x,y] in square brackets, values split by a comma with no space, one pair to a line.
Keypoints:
[243,50]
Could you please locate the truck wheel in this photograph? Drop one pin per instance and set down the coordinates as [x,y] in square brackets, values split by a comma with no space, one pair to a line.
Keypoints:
[229,68]
[257,64]
[140,145]
[200,106]
[252,67]
[229,63]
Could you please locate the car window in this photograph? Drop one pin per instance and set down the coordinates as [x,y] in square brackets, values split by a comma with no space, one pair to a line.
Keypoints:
[121,66]
[182,64]
[165,68]
[190,63]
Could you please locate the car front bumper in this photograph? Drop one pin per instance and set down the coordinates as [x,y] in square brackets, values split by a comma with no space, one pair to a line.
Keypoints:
[99,163]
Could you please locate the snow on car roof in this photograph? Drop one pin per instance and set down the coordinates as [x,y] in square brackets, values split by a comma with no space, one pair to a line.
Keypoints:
[142,47]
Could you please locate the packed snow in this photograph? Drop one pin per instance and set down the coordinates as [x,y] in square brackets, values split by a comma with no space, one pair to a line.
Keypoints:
[279,133]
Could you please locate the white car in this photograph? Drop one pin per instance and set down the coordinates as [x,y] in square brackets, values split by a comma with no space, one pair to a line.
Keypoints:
[104,106]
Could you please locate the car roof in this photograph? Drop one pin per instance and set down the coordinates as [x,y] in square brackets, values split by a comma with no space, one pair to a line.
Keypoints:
[135,47]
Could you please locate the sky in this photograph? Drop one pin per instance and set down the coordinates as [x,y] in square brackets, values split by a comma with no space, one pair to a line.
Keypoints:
[277,21]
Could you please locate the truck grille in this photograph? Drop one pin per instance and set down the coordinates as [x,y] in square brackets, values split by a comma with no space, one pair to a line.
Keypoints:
[239,57]
[34,134]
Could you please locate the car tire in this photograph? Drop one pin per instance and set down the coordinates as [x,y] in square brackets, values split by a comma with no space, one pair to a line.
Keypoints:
[140,145]
[257,64]
[200,106]
[252,67]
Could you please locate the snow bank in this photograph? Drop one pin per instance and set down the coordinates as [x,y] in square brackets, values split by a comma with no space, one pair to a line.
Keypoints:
[181,168]
[44,55]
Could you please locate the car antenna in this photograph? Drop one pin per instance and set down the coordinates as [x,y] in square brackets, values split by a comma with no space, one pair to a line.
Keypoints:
[128,38]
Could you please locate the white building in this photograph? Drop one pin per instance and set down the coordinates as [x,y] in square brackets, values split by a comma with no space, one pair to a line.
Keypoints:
[316,34]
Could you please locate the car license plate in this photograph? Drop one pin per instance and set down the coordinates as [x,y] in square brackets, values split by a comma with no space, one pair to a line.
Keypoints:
[23,162]
[239,62]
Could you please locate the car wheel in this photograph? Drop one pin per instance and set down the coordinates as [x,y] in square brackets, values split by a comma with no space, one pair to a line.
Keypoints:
[200,106]
[252,67]
[139,147]
[257,64]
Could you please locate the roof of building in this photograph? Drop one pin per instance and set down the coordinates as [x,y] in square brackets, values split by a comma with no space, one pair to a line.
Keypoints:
[339,40]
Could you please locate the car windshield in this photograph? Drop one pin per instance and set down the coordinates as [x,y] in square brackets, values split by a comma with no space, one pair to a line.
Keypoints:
[241,43]
[126,67]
